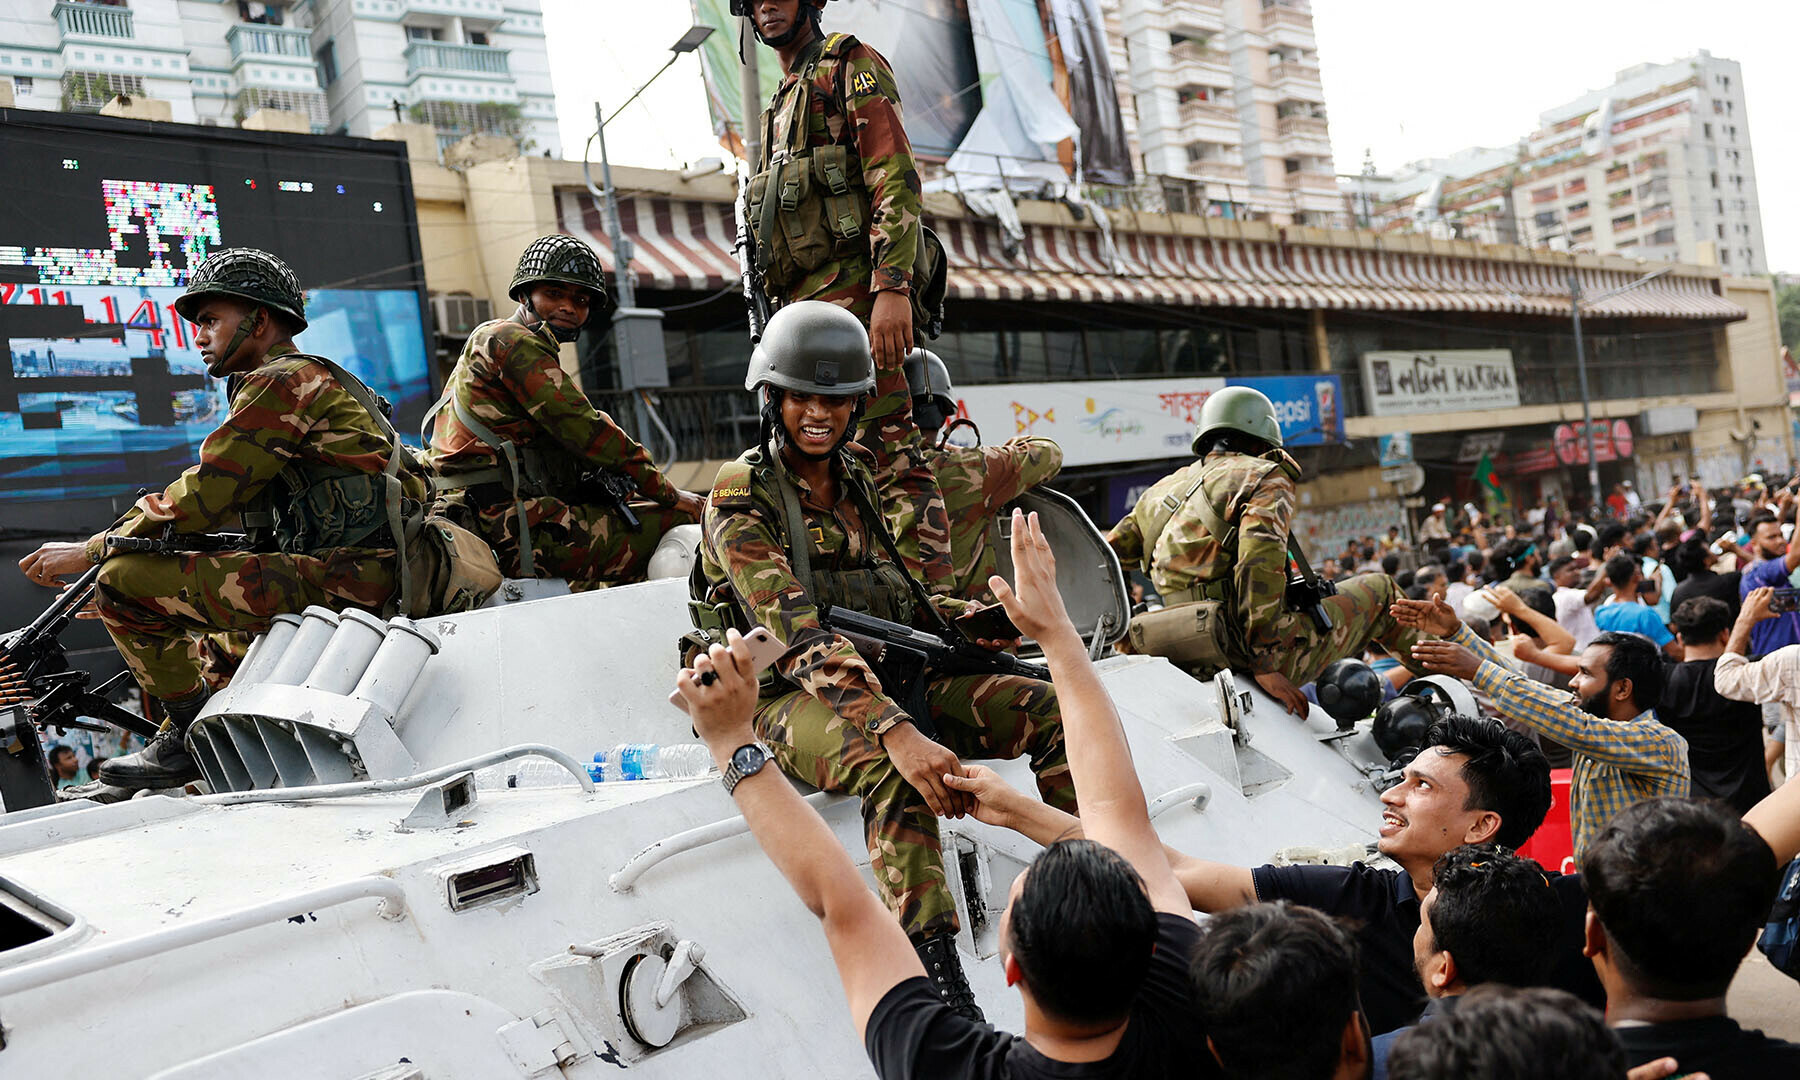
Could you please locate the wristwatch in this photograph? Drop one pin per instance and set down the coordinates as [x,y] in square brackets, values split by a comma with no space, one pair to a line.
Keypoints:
[746,761]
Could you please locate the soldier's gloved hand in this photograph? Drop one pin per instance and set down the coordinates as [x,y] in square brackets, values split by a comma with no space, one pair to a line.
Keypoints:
[1431,616]
[890,329]
[1279,687]
[996,801]
[924,762]
[50,563]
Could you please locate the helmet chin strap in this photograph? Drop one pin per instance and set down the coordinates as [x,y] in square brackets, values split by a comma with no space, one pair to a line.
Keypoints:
[774,432]
[808,13]
[240,335]
[557,332]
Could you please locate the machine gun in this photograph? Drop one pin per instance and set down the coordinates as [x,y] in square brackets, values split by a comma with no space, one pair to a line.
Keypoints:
[1306,590]
[613,489]
[172,542]
[906,660]
[756,300]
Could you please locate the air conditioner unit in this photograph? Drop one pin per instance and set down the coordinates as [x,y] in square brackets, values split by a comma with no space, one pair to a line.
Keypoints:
[455,314]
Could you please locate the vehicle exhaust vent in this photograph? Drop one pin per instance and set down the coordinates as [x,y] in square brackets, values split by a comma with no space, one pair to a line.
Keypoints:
[496,876]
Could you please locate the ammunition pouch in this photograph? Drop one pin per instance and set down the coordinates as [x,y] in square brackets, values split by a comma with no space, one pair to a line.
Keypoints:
[806,210]
[880,590]
[319,512]
[1198,636]
[452,568]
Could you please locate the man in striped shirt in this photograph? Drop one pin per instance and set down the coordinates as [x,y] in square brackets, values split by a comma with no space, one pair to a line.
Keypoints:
[1622,752]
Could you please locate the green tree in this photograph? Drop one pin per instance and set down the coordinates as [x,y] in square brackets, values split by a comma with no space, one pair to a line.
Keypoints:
[1787,309]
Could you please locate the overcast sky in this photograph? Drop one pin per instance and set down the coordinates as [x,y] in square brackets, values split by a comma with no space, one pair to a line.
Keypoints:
[1406,79]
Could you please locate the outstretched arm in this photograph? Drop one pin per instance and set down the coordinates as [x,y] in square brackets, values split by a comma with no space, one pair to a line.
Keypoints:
[871,950]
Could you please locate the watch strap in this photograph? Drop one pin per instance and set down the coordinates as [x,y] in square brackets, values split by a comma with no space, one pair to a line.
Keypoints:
[731,776]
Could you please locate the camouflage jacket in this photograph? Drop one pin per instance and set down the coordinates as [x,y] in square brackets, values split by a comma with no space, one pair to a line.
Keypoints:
[1256,494]
[976,481]
[855,103]
[287,410]
[743,546]
[509,378]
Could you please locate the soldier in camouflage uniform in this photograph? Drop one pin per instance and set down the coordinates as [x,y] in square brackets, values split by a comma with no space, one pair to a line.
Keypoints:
[976,481]
[1244,480]
[834,208]
[791,527]
[300,457]
[509,402]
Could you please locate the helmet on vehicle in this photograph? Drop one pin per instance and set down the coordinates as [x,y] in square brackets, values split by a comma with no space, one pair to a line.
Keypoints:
[559,258]
[245,274]
[1238,408]
[1348,690]
[1402,722]
[1448,694]
[812,347]
[928,378]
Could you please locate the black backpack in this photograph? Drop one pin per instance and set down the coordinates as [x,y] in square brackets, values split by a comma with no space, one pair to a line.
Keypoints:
[1780,940]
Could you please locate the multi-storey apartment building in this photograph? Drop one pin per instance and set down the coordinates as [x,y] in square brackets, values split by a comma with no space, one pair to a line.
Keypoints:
[1655,165]
[465,66]
[1227,98]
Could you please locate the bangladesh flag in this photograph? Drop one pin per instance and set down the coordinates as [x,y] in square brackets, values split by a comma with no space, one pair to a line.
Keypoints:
[1489,479]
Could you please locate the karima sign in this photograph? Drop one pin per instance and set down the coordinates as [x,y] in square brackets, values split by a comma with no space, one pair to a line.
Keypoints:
[1455,380]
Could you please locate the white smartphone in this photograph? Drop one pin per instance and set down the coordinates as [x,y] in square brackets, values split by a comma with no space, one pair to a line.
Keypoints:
[765,649]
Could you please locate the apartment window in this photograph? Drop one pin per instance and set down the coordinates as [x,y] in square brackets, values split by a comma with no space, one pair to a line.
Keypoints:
[1624,221]
[477,37]
[1291,165]
[1725,256]
[1706,130]
[1718,106]
[424,33]
[1586,232]
[1738,181]
[22,83]
[1719,204]
[267,14]
[326,59]
[1664,235]
[1577,210]
[1575,187]
[1715,179]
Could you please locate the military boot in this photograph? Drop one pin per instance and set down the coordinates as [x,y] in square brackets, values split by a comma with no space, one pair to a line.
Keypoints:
[165,762]
[944,968]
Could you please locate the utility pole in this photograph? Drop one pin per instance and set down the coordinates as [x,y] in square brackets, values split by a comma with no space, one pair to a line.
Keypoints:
[750,89]
[1587,423]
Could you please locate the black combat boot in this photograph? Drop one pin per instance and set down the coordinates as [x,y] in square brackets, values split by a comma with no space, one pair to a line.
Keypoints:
[944,968]
[165,762]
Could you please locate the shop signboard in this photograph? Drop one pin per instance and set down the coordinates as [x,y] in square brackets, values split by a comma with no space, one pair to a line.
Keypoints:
[1396,450]
[1453,380]
[1100,422]
[1612,441]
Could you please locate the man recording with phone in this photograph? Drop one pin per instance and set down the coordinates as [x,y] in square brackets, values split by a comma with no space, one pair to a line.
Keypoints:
[1775,677]
[1776,570]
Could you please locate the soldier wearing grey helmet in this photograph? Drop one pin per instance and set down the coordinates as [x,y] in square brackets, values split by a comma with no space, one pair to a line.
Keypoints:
[792,528]
[515,444]
[304,462]
[1214,537]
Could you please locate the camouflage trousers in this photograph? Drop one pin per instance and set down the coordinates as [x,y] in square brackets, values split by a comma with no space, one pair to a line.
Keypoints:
[177,617]
[978,716]
[587,544]
[902,473]
[1359,615]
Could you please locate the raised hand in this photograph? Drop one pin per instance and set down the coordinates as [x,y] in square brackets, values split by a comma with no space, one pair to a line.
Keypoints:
[1033,602]
[1431,616]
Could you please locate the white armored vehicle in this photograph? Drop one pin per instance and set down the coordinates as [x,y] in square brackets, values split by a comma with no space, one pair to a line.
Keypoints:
[404,870]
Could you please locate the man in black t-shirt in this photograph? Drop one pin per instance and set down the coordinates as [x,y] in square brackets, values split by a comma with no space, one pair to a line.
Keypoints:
[1679,889]
[1692,561]
[1724,737]
[1096,934]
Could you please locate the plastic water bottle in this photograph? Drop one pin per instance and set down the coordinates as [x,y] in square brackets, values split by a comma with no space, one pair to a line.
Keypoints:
[648,761]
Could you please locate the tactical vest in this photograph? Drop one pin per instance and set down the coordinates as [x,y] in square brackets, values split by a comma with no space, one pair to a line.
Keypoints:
[878,587]
[806,204]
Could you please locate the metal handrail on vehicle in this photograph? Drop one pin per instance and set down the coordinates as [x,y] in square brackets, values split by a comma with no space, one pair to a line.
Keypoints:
[670,846]
[101,957]
[403,783]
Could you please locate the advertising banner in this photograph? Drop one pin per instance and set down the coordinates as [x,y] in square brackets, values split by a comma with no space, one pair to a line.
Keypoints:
[1455,380]
[1101,422]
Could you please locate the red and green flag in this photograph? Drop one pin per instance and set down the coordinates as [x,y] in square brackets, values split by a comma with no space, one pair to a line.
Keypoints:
[1489,479]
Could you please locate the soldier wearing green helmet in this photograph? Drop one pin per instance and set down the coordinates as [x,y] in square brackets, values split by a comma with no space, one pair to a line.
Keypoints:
[1215,539]
[305,463]
[515,443]
[794,527]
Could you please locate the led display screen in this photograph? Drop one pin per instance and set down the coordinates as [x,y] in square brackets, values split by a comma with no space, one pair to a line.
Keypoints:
[101,388]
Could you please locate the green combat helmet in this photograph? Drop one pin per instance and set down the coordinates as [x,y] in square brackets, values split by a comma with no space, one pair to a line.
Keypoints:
[563,259]
[246,274]
[1241,409]
[812,347]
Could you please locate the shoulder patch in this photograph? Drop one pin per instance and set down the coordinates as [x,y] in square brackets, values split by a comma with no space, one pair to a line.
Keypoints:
[864,83]
[731,489]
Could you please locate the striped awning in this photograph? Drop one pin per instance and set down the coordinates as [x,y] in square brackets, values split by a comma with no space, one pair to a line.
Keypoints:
[688,245]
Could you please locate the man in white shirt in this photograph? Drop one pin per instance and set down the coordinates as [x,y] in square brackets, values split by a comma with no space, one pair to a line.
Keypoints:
[1774,678]
[1574,606]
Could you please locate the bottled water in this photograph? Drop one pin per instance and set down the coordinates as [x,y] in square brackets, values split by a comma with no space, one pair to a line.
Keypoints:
[648,761]
[523,773]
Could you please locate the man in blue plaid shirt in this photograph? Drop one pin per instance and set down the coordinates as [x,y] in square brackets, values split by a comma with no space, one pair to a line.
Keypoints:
[1622,752]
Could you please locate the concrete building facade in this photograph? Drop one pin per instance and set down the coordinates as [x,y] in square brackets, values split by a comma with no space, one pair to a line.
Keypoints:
[464,66]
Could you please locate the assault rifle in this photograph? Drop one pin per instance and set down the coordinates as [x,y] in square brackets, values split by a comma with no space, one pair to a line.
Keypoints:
[172,542]
[906,660]
[756,300]
[615,490]
[35,672]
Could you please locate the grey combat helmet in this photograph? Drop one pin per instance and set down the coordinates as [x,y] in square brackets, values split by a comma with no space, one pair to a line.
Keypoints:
[1238,408]
[246,274]
[927,376]
[812,347]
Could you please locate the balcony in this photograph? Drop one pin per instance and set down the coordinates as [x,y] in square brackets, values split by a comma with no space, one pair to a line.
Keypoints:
[1196,65]
[1276,13]
[442,58]
[1294,71]
[1312,181]
[1202,16]
[479,9]
[255,41]
[92,20]
[1211,121]
[1302,125]
[1229,171]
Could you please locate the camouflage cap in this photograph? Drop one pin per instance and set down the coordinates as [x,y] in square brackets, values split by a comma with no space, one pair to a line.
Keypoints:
[1238,408]
[560,258]
[246,274]
[812,347]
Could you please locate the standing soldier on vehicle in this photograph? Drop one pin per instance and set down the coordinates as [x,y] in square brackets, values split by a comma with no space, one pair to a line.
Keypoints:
[1214,537]
[833,208]
[792,529]
[518,449]
[304,460]
[977,481]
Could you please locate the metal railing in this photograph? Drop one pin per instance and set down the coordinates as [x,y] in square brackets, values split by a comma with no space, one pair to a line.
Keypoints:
[708,422]
[458,59]
[1197,113]
[251,40]
[92,20]
[1301,125]
[1293,70]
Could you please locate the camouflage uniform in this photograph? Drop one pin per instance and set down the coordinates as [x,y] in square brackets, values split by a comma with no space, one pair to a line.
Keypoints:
[851,100]
[977,481]
[824,716]
[164,610]
[1257,495]
[509,379]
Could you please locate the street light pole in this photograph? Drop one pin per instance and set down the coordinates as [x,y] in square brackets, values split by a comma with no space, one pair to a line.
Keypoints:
[1587,417]
[615,234]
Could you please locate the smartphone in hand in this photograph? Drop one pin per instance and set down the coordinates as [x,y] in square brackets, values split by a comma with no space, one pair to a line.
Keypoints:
[988,624]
